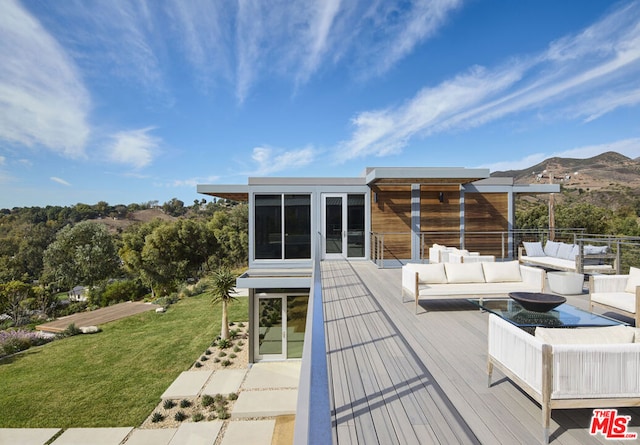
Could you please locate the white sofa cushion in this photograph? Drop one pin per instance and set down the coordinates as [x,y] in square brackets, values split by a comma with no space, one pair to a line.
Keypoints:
[501,272]
[464,272]
[633,280]
[534,249]
[551,248]
[429,273]
[622,300]
[565,250]
[586,336]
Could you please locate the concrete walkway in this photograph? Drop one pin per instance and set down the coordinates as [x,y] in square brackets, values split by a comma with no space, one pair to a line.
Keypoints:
[267,390]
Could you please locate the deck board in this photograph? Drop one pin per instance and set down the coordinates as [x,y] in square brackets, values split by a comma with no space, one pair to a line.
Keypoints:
[407,378]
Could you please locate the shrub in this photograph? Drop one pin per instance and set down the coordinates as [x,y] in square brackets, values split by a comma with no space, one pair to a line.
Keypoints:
[198,365]
[180,416]
[204,358]
[207,352]
[157,417]
[168,404]
[216,360]
[241,325]
[240,343]
[224,343]
[197,417]
[226,363]
[222,414]
[70,331]
[236,349]
[233,334]
[222,354]
[206,400]
[218,398]
[232,355]
[233,396]
[184,403]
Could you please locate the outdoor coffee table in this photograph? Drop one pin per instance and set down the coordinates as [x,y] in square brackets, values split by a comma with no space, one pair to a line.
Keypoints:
[563,316]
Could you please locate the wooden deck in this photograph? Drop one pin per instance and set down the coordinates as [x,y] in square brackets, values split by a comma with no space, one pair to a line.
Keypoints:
[401,378]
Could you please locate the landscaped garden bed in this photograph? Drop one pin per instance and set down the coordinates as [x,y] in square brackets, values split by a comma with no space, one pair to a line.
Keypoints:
[221,354]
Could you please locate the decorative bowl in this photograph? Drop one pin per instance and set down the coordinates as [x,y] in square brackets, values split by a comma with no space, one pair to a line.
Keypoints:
[537,302]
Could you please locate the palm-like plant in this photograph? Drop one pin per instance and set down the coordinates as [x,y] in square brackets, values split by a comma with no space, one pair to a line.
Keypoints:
[224,282]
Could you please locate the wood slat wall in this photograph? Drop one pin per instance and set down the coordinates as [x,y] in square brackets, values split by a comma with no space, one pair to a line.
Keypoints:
[436,216]
[485,212]
[392,213]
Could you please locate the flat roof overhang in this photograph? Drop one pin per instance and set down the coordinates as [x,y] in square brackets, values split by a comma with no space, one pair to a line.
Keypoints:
[424,175]
[226,191]
[275,279]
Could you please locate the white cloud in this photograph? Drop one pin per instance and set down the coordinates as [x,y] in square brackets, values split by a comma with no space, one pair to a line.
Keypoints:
[136,148]
[193,182]
[587,75]
[271,160]
[60,181]
[43,101]
[2,160]
[627,147]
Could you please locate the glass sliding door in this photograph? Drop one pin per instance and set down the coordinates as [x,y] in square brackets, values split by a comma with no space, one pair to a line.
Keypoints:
[281,321]
[355,226]
[297,226]
[333,225]
[270,327]
[343,225]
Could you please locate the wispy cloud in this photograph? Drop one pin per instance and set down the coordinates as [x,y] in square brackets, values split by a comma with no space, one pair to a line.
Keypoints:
[271,160]
[136,148]
[628,147]
[605,55]
[43,102]
[190,182]
[60,181]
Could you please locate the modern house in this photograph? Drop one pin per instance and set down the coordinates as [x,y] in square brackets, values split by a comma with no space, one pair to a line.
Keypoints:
[388,215]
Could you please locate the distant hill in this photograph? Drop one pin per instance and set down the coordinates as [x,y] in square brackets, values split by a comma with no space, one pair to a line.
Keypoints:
[609,179]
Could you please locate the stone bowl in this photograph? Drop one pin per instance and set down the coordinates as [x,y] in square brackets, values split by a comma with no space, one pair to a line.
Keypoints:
[537,302]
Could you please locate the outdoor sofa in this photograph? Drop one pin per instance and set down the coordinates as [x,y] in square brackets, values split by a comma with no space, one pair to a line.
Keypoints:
[568,257]
[618,292]
[468,280]
[564,368]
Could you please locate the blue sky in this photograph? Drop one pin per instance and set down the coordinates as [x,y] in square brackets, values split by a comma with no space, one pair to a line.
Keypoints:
[130,101]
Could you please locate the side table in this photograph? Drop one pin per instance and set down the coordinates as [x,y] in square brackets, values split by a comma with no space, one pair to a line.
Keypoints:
[565,283]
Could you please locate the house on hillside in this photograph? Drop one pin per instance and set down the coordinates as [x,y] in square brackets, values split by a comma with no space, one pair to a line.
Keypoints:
[390,215]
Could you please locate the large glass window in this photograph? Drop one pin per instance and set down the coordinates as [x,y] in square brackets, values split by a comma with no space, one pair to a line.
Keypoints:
[268,227]
[297,226]
[270,232]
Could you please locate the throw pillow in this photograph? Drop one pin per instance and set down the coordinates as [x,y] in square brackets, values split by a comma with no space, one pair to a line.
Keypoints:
[508,271]
[564,251]
[533,249]
[429,273]
[633,280]
[595,250]
[551,248]
[464,272]
[586,336]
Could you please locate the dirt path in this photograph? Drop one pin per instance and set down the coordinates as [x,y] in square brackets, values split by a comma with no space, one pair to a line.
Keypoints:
[97,317]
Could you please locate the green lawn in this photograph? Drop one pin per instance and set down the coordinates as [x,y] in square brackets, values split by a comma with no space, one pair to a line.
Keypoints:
[113,378]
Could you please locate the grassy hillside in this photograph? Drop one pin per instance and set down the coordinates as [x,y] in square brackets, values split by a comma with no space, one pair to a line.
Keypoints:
[114,378]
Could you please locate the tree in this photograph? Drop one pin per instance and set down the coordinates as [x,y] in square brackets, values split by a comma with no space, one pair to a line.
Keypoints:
[81,254]
[14,297]
[224,282]
[230,227]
